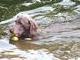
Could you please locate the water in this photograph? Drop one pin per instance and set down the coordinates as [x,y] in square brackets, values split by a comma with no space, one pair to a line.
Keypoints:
[59,37]
[67,2]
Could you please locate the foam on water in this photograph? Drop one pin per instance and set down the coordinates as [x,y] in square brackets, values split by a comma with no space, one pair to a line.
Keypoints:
[67,3]
[41,54]
[5,46]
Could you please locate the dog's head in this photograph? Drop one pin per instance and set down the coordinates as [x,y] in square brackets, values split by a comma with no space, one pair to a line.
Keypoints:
[24,24]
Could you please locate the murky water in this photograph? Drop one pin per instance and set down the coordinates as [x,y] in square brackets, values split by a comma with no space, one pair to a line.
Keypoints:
[59,37]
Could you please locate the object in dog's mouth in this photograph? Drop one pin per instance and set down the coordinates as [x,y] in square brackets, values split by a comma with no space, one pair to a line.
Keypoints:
[15,38]
[29,39]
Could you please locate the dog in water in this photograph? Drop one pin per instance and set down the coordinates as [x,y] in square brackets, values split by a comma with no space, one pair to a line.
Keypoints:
[24,27]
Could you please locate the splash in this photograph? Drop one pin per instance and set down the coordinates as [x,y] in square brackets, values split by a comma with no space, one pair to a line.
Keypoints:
[67,3]
[41,54]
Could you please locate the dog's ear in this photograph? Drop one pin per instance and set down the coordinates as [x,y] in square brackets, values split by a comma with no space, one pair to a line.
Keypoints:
[33,27]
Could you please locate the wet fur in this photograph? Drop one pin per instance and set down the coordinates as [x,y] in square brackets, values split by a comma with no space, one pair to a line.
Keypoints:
[24,27]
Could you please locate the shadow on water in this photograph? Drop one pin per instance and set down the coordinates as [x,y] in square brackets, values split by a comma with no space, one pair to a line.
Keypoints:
[25,45]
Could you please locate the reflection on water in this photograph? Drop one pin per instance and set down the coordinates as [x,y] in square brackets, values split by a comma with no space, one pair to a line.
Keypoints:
[25,45]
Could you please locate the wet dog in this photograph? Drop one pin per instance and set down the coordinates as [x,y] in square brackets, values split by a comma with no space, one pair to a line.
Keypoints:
[24,27]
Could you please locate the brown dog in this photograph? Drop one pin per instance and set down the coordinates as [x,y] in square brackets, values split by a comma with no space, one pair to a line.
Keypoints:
[24,27]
